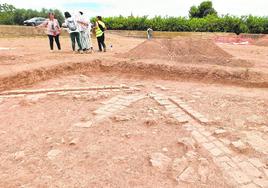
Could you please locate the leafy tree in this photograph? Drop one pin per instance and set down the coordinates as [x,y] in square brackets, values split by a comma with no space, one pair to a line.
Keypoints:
[203,10]
[6,13]
[10,15]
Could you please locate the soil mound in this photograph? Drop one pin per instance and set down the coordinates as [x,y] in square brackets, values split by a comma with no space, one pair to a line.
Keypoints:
[184,50]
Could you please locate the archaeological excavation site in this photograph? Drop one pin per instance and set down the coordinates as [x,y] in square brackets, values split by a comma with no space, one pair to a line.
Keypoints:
[190,111]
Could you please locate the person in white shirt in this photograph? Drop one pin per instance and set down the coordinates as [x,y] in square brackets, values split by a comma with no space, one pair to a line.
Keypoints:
[149,33]
[84,25]
[73,29]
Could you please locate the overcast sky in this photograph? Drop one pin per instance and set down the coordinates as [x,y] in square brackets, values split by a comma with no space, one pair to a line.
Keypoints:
[145,7]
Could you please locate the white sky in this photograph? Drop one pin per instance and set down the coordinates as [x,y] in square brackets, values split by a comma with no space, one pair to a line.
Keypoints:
[145,7]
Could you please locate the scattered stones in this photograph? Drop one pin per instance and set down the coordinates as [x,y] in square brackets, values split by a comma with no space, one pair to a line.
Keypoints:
[160,161]
[153,110]
[239,176]
[179,165]
[161,87]
[220,132]
[263,128]
[256,162]
[187,142]
[203,170]
[121,118]
[249,169]
[191,156]
[251,185]
[239,146]
[263,183]
[52,154]
[83,78]
[255,140]
[150,122]
[87,124]
[188,175]
[225,141]
[139,85]
[239,123]
[256,119]
[35,98]
[19,155]
[129,91]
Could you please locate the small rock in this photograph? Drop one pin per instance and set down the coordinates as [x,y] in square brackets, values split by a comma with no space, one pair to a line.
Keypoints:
[196,96]
[62,140]
[225,141]
[161,87]
[139,85]
[128,135]
[187,142]
[220,132]
[150,122]
[82,80]
[52,154]
[217,118]
[120,118]
[83,124]
[239,146]
[160,161]
[129,91]
[165,149]
[3,132]
[19,155]
[74,141]
[191,156]
[239,123]
[264,129]
[188,175]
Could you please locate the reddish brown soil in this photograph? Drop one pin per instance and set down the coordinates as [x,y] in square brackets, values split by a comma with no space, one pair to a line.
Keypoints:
[185,50]
[262,42]
[116,152]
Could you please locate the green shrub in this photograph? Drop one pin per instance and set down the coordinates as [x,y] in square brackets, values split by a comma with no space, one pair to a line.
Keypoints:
[206,23]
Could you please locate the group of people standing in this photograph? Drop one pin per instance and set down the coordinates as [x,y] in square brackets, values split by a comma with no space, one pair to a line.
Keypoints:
[79,29]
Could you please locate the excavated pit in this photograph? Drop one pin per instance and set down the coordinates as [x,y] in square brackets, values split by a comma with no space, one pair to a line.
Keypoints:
[240,77]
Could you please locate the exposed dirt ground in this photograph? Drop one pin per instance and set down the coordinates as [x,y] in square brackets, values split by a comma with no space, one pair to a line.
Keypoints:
[103,120]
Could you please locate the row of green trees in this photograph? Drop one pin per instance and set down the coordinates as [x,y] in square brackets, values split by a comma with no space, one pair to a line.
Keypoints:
[210,23]
[202,18]
[9,15]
